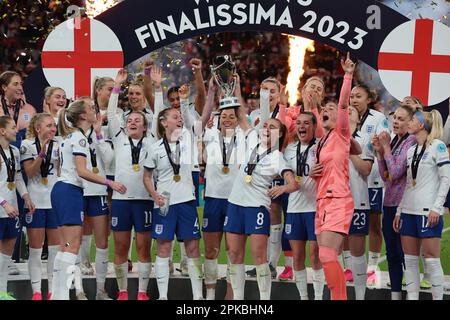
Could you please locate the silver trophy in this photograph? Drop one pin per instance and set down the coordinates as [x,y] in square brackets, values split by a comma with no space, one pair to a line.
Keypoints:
[223,69]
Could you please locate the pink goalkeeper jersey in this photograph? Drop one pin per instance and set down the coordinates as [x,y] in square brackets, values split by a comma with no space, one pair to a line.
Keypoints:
[334,155]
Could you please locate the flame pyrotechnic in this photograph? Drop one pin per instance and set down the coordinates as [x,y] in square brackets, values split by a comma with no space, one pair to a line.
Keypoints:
[297,51]
[95,7]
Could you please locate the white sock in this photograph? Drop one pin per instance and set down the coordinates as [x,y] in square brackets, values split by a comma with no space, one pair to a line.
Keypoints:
[359,270]
[318,283]
[101,268]
[426,275]
[373,261]
[264,279]
[144,270]
[396,295]
[274,247]
[162,276]
[78,276]
[288,261]
[35,269]
[122,275]
[302,283]
[52,251]
[237,278]
[434,268]
[347,259]
[196,275]
[85,248]
[56,275]
[4,263]
[183,256]
[66,261]
[211,271]
[412,276]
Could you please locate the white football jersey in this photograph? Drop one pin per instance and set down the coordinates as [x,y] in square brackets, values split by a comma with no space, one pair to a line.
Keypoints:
[90,188]
[158,161]
[432,181]
[39,192]
[5,193]
[304,199]
[254,193]
[219,184]
[75,144]
[375,123]
[358,183]
[133,180]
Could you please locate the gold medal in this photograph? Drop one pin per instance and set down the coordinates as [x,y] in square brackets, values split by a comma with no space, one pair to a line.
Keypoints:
[226,169]
[136,168]
[11,185]
[248,178]
[386,174]
[414,182]
[298,179]
[44,181]
[176,178]
[95,170]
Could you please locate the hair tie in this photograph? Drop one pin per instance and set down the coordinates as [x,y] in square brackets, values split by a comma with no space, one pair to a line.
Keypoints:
[421,118]
[68,123]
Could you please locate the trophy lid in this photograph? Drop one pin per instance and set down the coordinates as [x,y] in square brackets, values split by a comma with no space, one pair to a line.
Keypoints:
[229,102]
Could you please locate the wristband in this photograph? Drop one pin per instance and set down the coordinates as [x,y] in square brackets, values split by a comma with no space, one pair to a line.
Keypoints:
[147,71]
[42,155]
[116,90]
[99,136]
[108,182]
[3,203]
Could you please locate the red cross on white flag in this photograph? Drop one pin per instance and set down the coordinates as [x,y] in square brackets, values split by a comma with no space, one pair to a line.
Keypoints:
[414,60]
[74,54]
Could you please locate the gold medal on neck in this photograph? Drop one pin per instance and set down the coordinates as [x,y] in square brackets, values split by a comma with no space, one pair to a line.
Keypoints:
[414,182]
[226,169]
[248,178]
[298,179]
[386,174]
[136,168]
[95,170]
[177,178]
[44,181]
[11,186]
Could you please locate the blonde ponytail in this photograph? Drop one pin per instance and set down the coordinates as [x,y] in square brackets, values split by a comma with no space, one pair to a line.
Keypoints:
[70,117]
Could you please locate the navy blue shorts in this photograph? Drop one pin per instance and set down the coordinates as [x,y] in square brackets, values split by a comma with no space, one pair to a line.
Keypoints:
[9,228]
[95,206]
[181,220]
[127,214]
[360,222]
[376,200]
[214,214]
[67,203]
[300,226]
[247,220]
[416,226]
[41,218]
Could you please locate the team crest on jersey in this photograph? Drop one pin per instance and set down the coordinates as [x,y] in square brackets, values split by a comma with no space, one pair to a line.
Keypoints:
[288,228]
[26,116]
[205,222]
[225,221]
[23,150]
[441,148]
[159,229]
[114,221]
[82,143]
[29,218]
[370,128]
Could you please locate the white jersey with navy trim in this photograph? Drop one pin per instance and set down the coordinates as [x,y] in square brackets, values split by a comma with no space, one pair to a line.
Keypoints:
[358,183]
[158,161]
[375,123]
[111,166]
[75,144]
[5,193]
[39,192]
[218,183]
[432,181]
[254,194]
[100,150]
[304,199]
[125,174]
